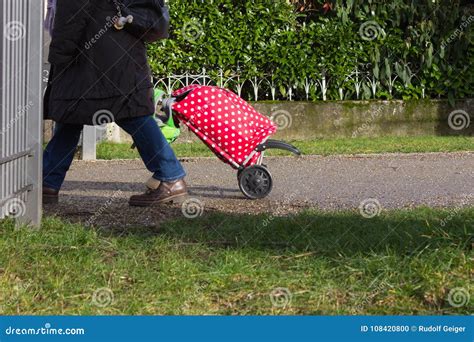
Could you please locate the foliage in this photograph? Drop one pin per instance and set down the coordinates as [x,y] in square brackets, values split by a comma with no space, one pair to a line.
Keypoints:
[419,46]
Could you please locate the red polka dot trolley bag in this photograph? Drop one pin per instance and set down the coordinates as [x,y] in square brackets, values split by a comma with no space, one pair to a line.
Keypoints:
[232,129]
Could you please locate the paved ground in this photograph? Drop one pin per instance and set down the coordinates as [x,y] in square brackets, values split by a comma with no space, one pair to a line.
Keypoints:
[97,192]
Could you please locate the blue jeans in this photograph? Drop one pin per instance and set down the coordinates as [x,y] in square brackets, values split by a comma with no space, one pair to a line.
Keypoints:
[154,150]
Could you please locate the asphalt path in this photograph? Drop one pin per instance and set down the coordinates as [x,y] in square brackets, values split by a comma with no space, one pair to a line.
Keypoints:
[97,192]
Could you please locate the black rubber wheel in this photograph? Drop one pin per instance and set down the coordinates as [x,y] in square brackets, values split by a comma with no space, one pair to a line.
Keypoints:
[239,172]
[255,182]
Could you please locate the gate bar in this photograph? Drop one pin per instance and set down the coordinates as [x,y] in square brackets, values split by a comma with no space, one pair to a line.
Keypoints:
[27,153]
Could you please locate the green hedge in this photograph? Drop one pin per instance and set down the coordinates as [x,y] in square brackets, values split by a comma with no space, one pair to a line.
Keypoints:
[425,44]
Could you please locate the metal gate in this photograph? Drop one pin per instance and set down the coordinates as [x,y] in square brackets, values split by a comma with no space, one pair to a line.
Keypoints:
[21,110]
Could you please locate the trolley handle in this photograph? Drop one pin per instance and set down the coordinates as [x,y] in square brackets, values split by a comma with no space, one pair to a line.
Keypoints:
[276,144]
[167,105]
[167,109]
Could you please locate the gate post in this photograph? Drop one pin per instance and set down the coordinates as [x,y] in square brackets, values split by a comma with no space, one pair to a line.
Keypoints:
[21,110]
[35,115]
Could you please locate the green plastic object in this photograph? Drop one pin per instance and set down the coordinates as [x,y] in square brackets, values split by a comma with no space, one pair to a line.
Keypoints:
[169,129]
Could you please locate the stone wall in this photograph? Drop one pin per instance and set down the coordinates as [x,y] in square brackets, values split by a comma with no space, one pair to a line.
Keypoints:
[310,120]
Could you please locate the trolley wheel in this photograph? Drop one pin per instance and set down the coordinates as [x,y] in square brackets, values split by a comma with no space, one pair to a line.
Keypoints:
[239,172]
[255,182]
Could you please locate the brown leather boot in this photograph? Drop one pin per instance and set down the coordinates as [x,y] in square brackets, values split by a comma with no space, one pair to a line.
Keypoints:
[167,192]
[50,196]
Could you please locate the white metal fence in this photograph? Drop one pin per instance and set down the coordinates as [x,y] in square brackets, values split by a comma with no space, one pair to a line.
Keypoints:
[361,83]
[21,112]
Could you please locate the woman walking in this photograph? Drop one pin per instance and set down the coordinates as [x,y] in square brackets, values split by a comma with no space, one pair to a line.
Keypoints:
[99,73]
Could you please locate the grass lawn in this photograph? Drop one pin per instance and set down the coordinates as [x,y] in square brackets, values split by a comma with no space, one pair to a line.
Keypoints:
[401,262]
[319,147]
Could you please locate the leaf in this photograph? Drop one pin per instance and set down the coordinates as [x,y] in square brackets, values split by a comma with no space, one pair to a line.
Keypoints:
[451,99]
[376,71]
[367,93]
[429,60]
[282,90]
[388,69]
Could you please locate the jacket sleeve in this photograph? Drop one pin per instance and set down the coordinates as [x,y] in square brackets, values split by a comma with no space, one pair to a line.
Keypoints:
[69,25]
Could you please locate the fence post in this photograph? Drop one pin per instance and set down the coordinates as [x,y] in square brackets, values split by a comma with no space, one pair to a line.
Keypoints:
[89,143]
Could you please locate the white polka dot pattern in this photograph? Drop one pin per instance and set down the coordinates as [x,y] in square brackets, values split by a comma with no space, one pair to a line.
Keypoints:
[227,124]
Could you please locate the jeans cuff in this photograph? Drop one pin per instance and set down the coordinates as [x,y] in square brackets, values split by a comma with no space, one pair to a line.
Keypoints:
[169,179]
[51,186]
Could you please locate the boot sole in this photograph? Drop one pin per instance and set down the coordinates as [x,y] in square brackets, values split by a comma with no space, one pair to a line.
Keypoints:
[50,199]
[176,199]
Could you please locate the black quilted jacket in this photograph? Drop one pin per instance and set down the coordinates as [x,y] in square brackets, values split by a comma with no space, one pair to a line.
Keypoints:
[95,68]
